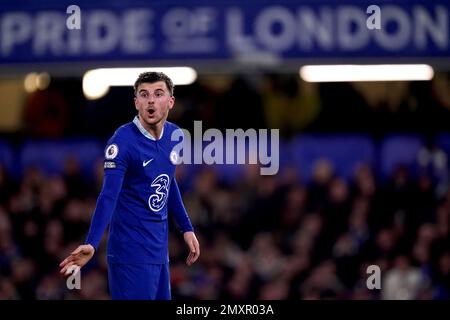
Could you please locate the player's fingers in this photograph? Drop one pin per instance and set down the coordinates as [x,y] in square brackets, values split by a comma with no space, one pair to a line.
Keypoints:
[66,261]
[195,251]
[197,247]
[77,251]
[67,270]
[191,246]
[194,245]
[195,256]
[192,257]
[63,270]
[63,263]
[189,259]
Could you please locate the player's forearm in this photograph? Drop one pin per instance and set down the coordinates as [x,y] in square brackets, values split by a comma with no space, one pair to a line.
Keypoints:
[176,207]
[106,204]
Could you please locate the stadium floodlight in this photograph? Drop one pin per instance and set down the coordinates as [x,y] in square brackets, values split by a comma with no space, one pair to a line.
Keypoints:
[96,82]
[30,82]
[381,72]
[36,81]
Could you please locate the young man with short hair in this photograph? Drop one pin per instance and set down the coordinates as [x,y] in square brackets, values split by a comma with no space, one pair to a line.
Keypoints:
[139,190]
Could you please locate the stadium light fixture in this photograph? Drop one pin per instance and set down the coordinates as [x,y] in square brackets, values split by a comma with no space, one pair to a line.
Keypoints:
[36,81]
[381,72]
[96,82]
[30,82]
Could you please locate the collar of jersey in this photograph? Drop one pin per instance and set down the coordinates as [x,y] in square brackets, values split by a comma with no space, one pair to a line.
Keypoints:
[145,132]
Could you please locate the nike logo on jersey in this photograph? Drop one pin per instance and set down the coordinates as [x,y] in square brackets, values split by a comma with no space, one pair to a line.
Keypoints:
[145,163]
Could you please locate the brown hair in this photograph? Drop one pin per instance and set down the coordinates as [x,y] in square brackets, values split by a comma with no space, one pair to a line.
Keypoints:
[152,77]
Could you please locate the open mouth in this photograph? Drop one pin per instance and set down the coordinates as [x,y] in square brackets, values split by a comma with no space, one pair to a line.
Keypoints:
[151,111]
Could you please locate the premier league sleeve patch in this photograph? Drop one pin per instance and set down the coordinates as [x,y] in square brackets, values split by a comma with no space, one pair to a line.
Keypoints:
[111,151]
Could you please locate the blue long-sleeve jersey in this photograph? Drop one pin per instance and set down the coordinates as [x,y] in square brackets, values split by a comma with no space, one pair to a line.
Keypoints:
[139,189]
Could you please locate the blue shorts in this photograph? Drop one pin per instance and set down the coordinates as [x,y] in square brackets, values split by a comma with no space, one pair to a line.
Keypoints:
[139,281]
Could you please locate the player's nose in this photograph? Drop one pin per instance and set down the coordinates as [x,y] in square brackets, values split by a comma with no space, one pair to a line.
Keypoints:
[151,99]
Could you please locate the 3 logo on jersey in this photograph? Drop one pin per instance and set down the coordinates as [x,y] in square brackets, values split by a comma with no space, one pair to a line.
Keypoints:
[159,198]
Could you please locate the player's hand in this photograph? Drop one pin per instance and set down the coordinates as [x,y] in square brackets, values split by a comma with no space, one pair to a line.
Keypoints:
[194,247]
[79,257]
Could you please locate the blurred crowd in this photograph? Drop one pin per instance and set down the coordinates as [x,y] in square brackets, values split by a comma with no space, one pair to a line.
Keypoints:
[262,237]
[274,237]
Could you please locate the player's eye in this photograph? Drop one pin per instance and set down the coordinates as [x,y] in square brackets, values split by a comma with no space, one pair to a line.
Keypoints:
[143,95]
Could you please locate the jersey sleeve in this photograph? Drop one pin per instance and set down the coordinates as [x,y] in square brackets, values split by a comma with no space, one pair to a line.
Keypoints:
[106,204]
[116,162]
[177,208]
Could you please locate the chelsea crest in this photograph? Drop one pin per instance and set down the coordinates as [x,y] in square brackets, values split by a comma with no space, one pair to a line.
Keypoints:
[174,158]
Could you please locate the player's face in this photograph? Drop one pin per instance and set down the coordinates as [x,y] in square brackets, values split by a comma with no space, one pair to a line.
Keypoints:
[153,102]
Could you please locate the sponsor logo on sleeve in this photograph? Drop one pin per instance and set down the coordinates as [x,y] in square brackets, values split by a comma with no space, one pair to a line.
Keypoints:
[109,165]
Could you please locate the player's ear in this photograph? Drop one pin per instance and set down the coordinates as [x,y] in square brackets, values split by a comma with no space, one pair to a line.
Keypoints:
[171,102]
[135,103]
